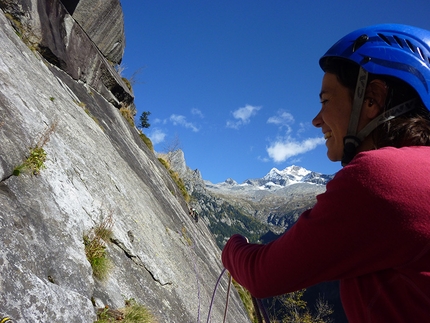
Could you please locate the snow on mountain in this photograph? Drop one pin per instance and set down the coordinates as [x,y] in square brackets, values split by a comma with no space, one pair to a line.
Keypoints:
[275,179]
[290,175]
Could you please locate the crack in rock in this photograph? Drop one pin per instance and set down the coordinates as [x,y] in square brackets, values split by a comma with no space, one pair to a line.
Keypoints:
[138,261]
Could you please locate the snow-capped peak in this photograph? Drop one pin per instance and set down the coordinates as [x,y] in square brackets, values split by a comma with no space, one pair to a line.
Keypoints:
[289,175]
[274,180]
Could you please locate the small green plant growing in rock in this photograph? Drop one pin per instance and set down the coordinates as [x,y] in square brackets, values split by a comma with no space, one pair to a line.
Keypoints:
[95,247]
[131,313]
[34,162]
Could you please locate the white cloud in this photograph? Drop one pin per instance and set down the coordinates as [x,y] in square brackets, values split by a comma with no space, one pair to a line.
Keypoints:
[157,121]
[157,136]
[279,151]
[263,159]
[182,121]
[304,127]
[233,124]
[282,118]
[197,112]
[242,116]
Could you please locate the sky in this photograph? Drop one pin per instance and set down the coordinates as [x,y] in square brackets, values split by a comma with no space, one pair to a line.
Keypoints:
[235,84]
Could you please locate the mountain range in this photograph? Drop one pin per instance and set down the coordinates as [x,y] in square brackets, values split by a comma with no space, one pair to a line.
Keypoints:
[274,180]
[257,207]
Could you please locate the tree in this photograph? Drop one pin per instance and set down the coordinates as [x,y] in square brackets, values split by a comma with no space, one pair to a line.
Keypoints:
[144,120]
[292,308]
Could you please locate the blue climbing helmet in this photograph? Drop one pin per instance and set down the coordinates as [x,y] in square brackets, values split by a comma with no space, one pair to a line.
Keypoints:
[393,50]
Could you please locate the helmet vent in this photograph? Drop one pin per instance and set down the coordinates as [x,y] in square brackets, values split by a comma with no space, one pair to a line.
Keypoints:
[405,44]
[420,51]
[385,39]
[398,41]
[410,45]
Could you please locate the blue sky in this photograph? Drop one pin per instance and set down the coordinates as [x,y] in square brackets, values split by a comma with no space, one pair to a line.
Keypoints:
[235,84]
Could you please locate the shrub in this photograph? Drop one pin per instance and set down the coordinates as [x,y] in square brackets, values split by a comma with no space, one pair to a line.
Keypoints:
[289,308]
[293,308]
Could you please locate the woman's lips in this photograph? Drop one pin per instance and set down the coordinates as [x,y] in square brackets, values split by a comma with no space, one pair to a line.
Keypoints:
[327,134]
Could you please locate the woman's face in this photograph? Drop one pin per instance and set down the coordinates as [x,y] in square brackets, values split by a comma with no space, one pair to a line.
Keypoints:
[333,117]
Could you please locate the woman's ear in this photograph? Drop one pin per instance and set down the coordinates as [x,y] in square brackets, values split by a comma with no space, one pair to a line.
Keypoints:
[376,93]
[371,108]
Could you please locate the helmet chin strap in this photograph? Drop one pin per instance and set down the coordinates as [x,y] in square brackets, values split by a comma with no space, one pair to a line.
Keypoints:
[353,139]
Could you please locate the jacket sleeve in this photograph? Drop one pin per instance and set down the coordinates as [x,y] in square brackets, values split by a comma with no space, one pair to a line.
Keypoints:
[353,229]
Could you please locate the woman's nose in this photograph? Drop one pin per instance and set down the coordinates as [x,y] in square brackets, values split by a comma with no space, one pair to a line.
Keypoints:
[317,121]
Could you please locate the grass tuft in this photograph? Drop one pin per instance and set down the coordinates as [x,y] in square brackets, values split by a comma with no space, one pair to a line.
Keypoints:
[95,248]
[128,114]
[134,313]
[131,313]
[146,140]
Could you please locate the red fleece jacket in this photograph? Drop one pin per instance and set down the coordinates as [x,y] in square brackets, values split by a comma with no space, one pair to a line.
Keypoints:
[370,230]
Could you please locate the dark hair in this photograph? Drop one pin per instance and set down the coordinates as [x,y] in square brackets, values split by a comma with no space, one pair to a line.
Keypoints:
[409,129]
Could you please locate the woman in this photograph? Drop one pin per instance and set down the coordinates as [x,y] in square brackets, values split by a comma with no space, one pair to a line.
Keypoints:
[371,228]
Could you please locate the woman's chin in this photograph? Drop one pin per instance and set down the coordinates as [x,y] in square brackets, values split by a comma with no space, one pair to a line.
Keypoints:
[333,157]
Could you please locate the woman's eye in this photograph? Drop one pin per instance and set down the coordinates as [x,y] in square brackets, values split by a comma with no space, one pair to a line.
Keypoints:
[323,102]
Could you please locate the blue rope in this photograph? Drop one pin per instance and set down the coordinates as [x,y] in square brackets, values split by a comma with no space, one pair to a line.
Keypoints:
[213,294]
[228,297]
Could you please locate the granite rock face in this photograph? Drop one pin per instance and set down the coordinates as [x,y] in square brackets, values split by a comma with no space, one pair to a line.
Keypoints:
[103,21]
[97,167]
[47,27]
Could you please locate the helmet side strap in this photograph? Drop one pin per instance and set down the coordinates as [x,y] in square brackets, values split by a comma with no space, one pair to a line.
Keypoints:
[351,141]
